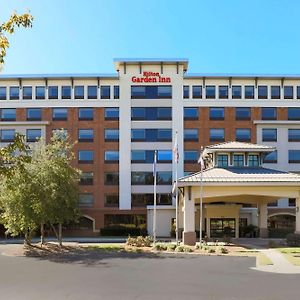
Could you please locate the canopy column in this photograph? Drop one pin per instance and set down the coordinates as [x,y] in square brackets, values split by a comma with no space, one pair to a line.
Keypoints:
[189,234]
[298,215]
[263,220]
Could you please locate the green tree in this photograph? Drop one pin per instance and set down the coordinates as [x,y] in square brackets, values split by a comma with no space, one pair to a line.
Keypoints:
[43,191]
[8,27]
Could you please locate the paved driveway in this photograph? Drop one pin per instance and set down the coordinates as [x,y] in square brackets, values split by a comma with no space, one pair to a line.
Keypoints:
[140,276]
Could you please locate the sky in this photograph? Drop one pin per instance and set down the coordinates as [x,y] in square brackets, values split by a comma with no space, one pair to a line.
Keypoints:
[216,36]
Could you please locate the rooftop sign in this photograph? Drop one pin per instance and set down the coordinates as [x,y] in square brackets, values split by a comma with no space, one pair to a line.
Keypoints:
[150,77]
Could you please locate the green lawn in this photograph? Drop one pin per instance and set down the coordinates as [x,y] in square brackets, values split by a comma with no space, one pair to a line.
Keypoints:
[291,254]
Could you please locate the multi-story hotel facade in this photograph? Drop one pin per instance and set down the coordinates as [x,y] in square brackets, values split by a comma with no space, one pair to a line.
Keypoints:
[120,119]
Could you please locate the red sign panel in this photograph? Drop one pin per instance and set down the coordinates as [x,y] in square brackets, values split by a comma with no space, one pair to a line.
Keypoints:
[150,77]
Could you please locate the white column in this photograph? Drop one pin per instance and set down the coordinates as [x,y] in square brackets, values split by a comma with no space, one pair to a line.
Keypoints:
[189,234]
[263,220]
[298,215]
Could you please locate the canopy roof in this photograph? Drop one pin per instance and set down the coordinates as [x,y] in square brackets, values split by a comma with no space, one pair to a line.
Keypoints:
[241,175]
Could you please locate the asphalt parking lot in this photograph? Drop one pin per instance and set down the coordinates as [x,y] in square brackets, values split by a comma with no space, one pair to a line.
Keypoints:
[141,276]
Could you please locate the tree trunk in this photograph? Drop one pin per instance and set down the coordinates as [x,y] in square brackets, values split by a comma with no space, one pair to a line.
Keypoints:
[42,233]
[55,232]
[27,240]
[60,234]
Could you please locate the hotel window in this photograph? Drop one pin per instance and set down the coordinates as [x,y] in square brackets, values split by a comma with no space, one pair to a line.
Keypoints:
[292,202]
[32,135]
[111,156]
[86,200]
[2,92]
[243,113]
[86,178]
[238,160]
[298,92]
[294,113]
[92,92]
[111,178]
[116,91]
[111,200]
[138,113]
[7,135]
[85,135]
[141,200]
[111,135]
[59,114]
[27,92]
[53,92]
[111,113]
[164,113]
[216,134]
[8,114]
[262,92]
[34,114]
[275,92]
[164,156]
[85,156]
[223,92]
[191,156]
[14,93]
[190,113]
[40,92]
[197,91]
[216,113]
[105,91]
[85,114]
[222,160]
[138,135]
[269,135]
[210,91]
[142,178]
[243,134]
[151,92]
[268,113]
[138,156]
[294,156]
[191,134]
[288,92]
[79,92]
[249,92]
[164,135]
[270,158]
[164,177]
[60,133]
[253,160]
[186,92]
[66,92]
[151,113]
[236,92]
[294,135]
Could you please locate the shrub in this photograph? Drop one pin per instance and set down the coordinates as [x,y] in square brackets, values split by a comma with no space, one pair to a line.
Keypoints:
[293,240]
[160,247]
[117,230]
[139,241]
[179,249]
[171,247]
[211,250]
[187,249]
[224,250]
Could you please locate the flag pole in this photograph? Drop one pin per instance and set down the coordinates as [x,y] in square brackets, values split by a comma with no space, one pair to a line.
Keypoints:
[176,186]
[201,196]
[154,200]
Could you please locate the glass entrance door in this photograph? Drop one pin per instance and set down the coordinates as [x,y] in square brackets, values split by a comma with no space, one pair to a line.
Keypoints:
[222,227]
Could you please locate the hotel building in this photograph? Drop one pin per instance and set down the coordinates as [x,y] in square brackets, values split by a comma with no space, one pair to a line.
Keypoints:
[120,119]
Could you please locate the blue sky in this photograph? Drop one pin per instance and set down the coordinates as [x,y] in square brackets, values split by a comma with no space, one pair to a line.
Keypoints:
[217,36]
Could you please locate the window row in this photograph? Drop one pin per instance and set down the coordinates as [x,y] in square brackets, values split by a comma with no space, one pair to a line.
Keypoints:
[87,156]
[52,92]
[151,135]
[218,134]
[151,92]
[237,160]
[147,178]
[238,92]
[270,135]
[8,135]
[59,113]
[151,113]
